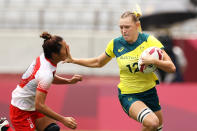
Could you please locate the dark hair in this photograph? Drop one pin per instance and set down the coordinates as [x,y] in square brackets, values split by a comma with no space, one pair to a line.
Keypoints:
[51,44]
[135,16]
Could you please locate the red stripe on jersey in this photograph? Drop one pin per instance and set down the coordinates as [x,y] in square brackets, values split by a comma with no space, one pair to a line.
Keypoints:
[142,68]
[152,51]
[41,90]
[159,53]
[23,82]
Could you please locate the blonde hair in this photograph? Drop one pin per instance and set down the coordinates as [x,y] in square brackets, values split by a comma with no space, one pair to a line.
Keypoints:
[135,17]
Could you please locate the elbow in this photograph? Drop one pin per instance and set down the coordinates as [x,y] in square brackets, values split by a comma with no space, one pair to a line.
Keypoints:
[172,69]
[38,106]
[99,65]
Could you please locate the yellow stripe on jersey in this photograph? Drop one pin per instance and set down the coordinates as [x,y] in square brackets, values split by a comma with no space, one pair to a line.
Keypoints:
[127,55]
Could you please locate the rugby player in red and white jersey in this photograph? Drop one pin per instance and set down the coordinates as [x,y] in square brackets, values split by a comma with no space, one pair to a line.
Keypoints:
[28,111]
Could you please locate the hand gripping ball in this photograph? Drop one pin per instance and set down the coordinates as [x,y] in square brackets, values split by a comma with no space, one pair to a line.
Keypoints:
[156,53]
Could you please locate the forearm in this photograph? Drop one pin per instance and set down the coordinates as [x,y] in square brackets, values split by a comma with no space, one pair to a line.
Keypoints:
[90,62]
[61,80]
[44,109]
[166,66]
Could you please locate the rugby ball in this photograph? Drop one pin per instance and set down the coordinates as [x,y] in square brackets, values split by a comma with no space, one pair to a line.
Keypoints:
[154,52]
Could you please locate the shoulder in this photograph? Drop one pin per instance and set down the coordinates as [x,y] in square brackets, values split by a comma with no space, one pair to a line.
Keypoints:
[153,41]
[45,75]
[152,38]
[115,40]
[44,80]
[118,40]
[144,36]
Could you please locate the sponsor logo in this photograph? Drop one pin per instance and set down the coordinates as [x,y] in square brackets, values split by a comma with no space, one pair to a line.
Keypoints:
[130,99]
[30,122]
[121,49]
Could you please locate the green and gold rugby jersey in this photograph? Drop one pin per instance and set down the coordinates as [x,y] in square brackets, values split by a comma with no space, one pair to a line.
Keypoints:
[127,55]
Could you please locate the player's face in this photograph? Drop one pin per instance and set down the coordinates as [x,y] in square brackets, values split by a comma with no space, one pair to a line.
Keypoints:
[128,28]
[63,52]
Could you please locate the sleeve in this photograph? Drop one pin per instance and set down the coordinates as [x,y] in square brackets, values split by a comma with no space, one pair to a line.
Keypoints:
[109,50]
[154,42]
[44,81]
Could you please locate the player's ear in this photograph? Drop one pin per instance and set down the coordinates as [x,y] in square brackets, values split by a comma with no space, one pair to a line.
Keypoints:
[138,24]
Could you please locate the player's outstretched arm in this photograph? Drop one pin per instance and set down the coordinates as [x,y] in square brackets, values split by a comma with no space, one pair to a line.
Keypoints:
[61,80]
[96,62]
[44,109]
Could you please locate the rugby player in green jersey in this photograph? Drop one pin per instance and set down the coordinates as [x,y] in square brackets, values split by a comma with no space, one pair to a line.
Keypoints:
[137,92]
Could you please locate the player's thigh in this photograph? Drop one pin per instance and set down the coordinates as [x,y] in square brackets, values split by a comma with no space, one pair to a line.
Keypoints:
[137,107]
[141,106]
[143,114]
[42,123]
[159,116]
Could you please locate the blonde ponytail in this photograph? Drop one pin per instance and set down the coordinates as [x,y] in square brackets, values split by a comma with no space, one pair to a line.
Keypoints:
[138,14]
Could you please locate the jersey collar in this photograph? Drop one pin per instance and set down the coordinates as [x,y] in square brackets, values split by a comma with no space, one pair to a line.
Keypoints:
[55,65]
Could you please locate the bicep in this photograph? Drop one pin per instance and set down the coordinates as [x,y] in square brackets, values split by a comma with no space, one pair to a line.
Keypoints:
[103,59]
[166,56]
[40,97]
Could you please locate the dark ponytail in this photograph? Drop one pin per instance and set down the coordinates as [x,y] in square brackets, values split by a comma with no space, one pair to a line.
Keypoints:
[46,36]
[51,44]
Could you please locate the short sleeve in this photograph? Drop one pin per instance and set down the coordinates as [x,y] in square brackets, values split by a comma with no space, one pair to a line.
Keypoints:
[44,81]
[154,42]
[109,49]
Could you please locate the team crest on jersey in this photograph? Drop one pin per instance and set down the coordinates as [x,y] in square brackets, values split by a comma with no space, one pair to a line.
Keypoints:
[142,48]
[130,99]
[121,49]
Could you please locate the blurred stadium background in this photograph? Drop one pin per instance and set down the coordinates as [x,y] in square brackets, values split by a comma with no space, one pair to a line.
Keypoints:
[87,26]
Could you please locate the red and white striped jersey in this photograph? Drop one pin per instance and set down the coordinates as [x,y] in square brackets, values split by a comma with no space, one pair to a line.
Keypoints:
[38,76]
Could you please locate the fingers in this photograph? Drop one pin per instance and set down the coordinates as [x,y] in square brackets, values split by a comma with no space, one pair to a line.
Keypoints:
[68,57]
[73,119]
[141,62]
[78,77]
[64,62]
[67,48]
[71,123]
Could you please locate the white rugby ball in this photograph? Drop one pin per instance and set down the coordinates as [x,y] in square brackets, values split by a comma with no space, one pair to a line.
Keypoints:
[154,52]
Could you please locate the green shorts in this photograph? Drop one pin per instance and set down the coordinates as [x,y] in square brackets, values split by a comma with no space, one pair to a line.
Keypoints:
[149,97]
